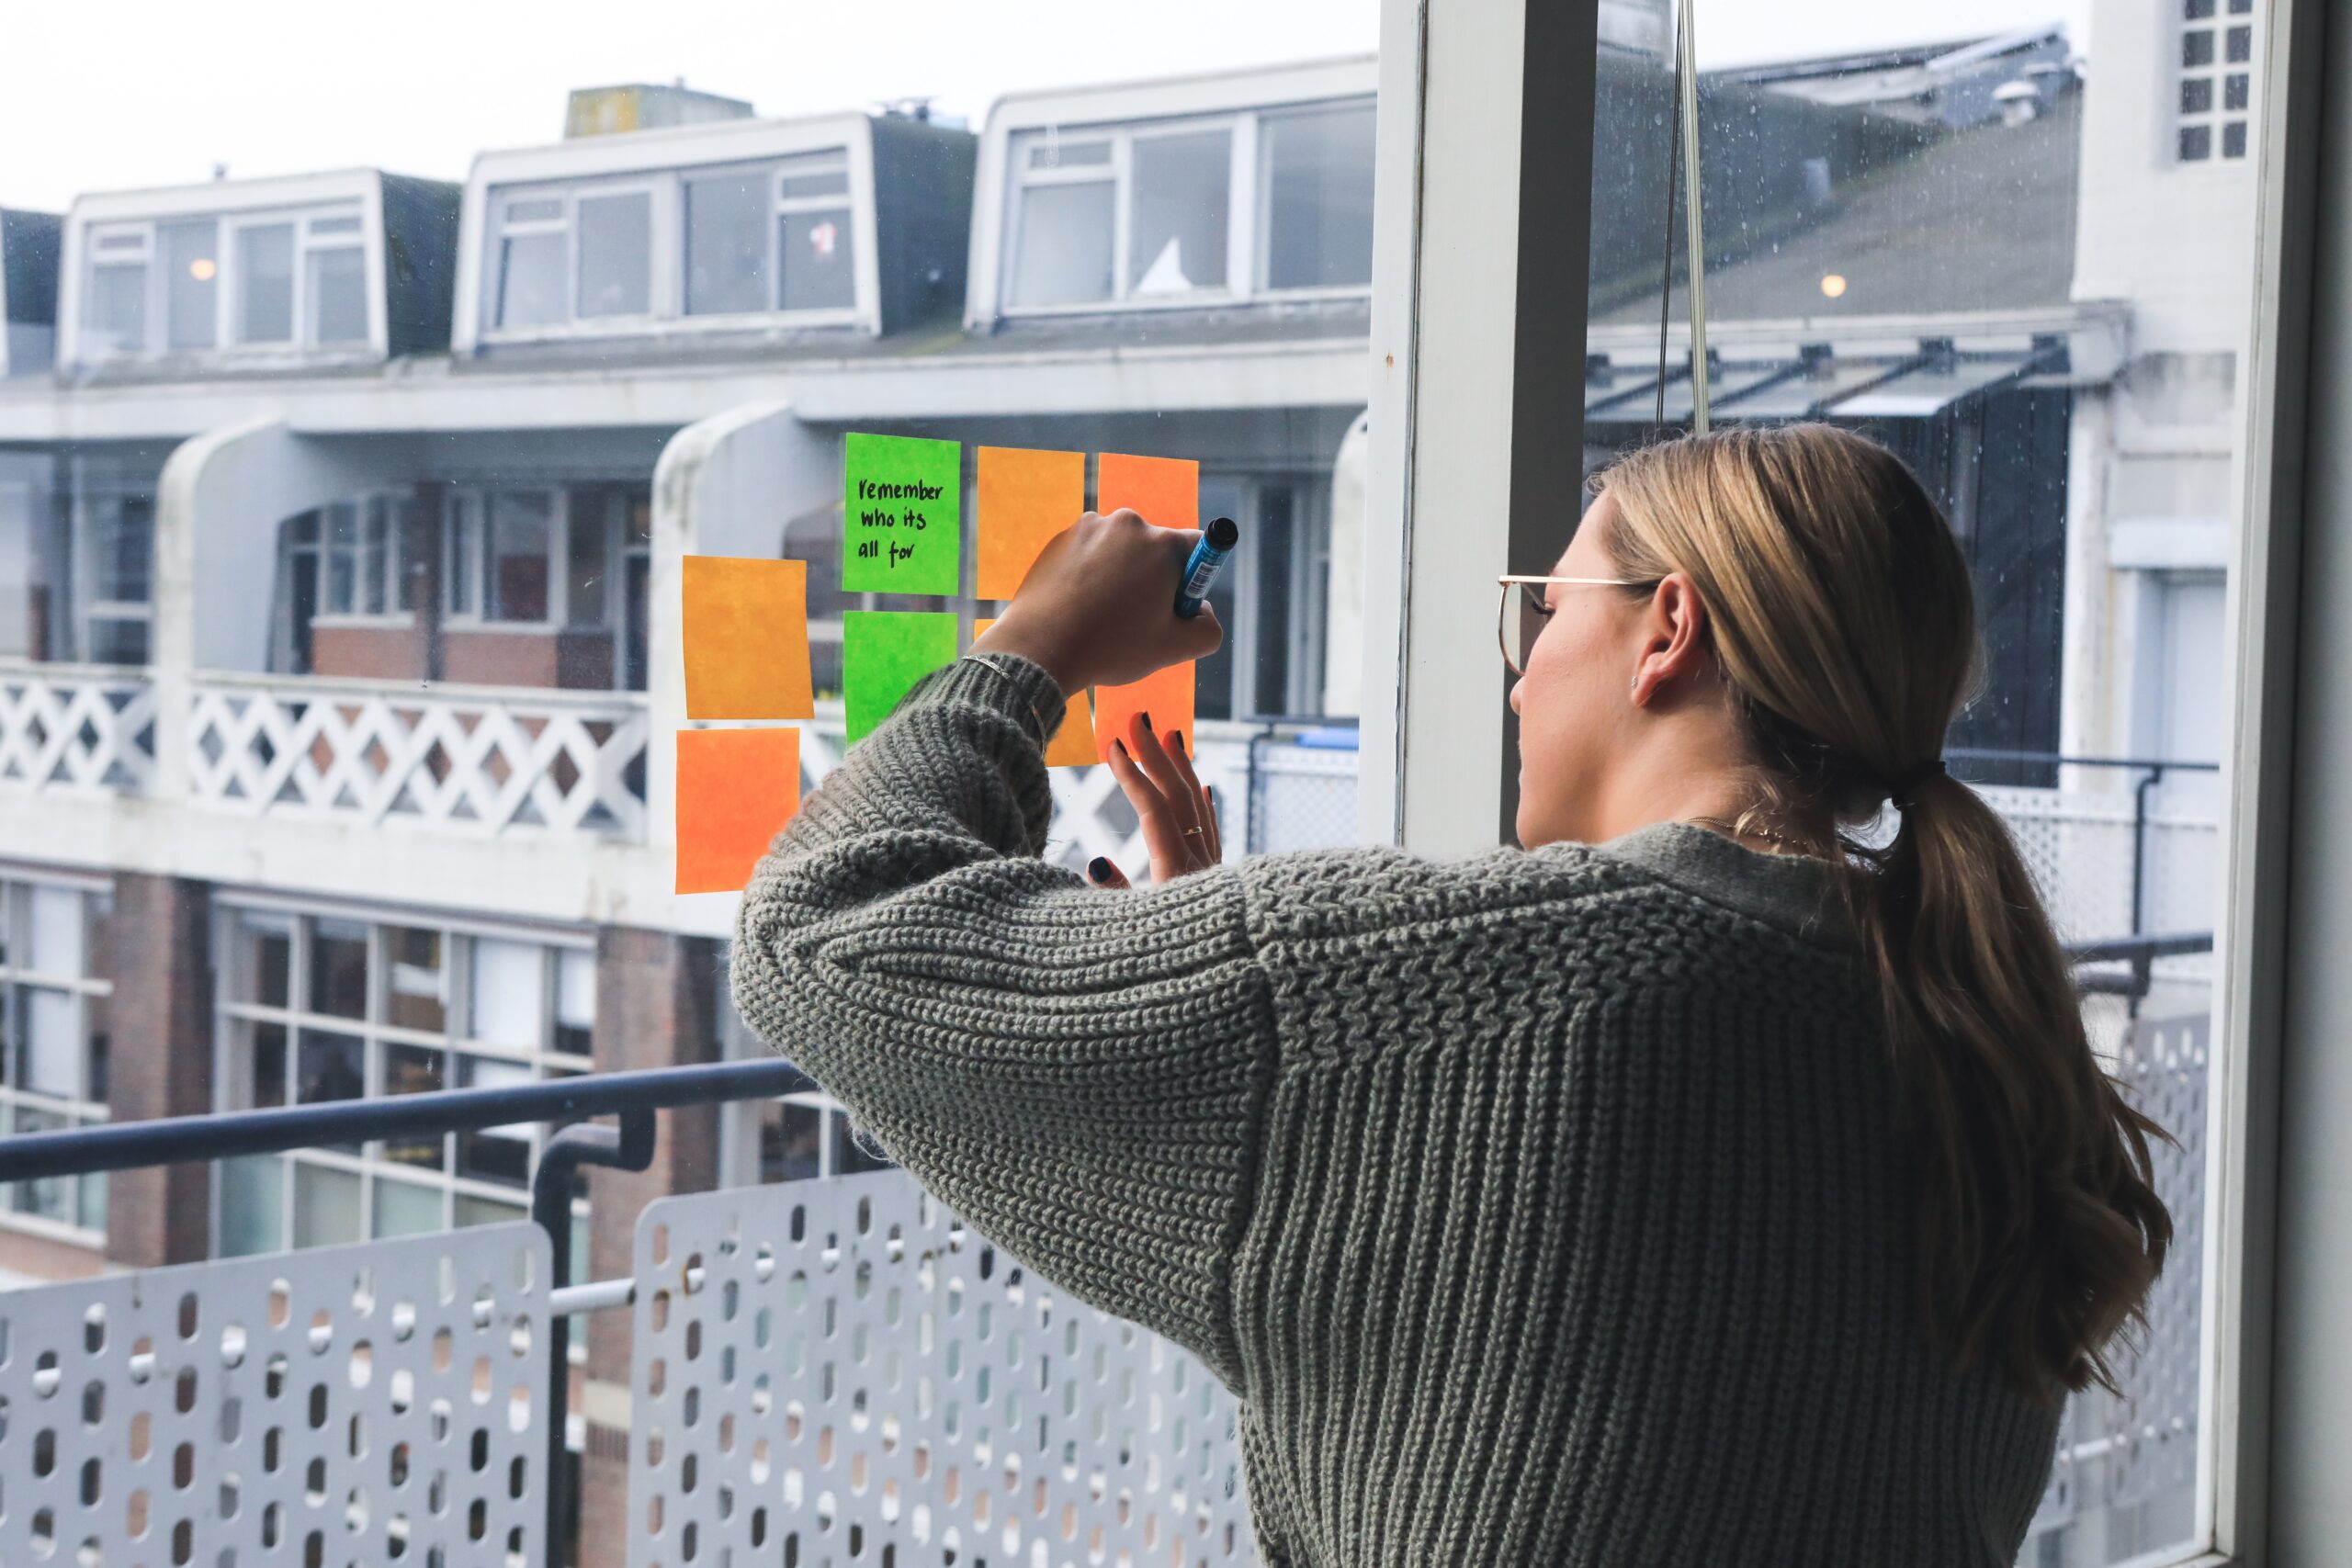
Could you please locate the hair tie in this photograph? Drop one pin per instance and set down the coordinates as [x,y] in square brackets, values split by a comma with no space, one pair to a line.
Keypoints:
[1901,789]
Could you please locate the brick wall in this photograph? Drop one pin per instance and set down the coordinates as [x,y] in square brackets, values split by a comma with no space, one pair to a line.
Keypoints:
[657,997]
[159,1060]
[372,652]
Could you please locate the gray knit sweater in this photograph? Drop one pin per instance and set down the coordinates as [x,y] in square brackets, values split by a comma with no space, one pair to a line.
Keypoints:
[1540,1209]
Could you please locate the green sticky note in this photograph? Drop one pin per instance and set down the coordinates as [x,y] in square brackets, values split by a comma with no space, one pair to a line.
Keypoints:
[883,653]
[902,510]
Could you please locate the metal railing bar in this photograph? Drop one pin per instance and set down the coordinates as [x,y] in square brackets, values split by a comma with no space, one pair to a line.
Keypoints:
[596,1295]
[1994,754]
[129,1145]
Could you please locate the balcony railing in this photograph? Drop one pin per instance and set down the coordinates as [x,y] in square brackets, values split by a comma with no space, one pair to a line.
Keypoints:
[821,1370]
[469,761]
[76,729]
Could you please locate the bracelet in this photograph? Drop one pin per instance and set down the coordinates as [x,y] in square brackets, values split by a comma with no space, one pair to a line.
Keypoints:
[989,661]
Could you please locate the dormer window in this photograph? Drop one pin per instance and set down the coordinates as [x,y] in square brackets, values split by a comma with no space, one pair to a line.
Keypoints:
[1203,211]
[183,286]
[762,239]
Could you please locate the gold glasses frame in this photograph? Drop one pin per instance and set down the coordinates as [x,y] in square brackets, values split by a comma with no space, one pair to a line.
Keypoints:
[1532,587]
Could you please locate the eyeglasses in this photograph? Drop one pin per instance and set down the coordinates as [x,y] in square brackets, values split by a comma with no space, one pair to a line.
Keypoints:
[1524,615]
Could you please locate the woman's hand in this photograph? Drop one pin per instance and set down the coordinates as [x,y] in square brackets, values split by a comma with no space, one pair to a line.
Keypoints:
[1099,608]
[1177,812]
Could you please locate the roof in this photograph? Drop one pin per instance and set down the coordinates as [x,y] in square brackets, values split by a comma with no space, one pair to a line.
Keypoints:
[1980,219]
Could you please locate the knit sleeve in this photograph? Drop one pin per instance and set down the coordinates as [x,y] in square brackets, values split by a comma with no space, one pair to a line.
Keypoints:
[1078,1073]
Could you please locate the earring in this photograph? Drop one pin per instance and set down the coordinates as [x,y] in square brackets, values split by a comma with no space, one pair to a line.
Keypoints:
[1635,689]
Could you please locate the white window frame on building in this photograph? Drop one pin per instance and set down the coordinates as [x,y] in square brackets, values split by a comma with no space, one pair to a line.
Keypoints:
[318,231]
[1028,147]
[40,909]
[466,541]
[112,546]
[2214,49]
[373,557]
[265,1044]
[662,165]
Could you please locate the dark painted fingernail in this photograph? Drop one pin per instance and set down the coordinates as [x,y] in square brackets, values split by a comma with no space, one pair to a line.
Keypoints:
[1119,746]
[1176,742]
[1146,721]
[1099,868]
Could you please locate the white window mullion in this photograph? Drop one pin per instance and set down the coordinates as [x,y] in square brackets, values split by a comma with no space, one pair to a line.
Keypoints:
[1122,161]
[1241,210]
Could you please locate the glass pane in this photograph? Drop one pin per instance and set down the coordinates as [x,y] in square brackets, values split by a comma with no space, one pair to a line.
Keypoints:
[115,319]
[264,945]
[509,994]
[1062,253]
[417,986]
[818,263]
[416,1069]
[516,576]
[406,1208]
[51,1199]
[586,570]
[575,1000]
[475,1211]
[266,284]
[374,553]
[789,1136]
[530,280]
[326,1206]
[727,243]
[252,1199]
[339,968]
[494,1154]
[52,1040]
[90,1198]
[331,1067]
[342,559]
[118,640]
[338,287]
[56,933]
[1177,232]
[125,557]
[616,254]
[1318,199]
[802,178]
[98,1048]
[263,1048]
[191,258]
[850,1155]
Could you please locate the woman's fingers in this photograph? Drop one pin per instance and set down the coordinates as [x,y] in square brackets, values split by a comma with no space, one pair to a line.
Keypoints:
[1173,780]
[1164,835]
[1103,872]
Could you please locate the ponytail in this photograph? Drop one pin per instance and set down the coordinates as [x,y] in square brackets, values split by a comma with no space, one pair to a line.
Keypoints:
[1843,619]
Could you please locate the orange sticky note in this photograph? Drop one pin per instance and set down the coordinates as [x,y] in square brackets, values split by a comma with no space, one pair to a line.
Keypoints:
[1073,744]
[1165,491]
[737,788]
[1167,696]
[747,638]
[1025,498]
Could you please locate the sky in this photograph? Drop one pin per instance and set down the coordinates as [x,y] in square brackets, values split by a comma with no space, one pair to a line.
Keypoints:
[123,93]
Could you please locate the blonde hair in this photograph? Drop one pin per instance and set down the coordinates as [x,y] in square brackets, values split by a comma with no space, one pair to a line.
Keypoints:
[1843,619]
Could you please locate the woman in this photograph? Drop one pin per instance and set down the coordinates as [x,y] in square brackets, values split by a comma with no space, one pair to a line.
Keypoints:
[1695,1186]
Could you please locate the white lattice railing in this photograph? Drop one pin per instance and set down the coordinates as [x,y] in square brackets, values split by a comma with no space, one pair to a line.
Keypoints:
[490,760]
[1309,796]
[75,728]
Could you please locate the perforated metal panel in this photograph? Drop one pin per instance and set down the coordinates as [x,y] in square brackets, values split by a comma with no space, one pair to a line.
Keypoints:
[362,1405]
[839,1372]
[2138,1454]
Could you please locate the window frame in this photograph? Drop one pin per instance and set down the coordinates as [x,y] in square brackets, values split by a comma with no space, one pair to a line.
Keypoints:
[666,187]
[82,1108]
[399,515]
[2217,119]
[1247,231]
[229,346]
[465,509]
[234,1017]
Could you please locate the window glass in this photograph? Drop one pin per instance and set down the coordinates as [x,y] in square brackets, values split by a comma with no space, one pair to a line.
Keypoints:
[575,1001]
[727,242]
[1318,225]
[339,968]
[514,570]
[338,290]
[530,279]
[416,988]
[124,556]
[265,282]
[342,558]
[1062,255]
[191,258]
[509,992]
[589,526]
[56,938]
[116,318]
[817,260]
[616,254]
[1177,228]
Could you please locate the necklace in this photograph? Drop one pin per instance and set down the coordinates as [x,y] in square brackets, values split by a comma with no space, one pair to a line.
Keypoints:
[1765,834]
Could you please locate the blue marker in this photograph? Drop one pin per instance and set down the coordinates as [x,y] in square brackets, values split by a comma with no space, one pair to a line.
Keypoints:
[1207,559]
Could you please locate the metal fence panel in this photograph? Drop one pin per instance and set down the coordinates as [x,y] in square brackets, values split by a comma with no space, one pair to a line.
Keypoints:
[361,1405]
[840,1372]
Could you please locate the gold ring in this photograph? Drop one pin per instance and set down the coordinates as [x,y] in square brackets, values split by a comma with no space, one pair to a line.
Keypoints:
[1190,831]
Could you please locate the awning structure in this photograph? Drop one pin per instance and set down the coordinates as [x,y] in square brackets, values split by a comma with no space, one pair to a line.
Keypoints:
[1819,380]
